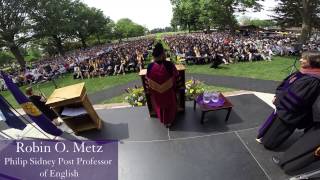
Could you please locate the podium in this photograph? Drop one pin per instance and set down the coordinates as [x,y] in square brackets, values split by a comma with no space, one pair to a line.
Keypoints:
[180,92]
[75,97]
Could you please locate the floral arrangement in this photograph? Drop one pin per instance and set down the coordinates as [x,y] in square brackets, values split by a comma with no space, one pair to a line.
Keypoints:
[136,96]
[193,89]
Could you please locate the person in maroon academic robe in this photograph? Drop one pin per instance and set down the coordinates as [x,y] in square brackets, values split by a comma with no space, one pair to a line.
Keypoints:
[161,80]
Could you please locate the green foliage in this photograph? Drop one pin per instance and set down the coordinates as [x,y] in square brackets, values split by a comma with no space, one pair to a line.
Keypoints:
[290,12]
[55,25]
[33,53]
[121,98]
[13,21]
[257,22]
[197,15]
[68,46]
[5,57]
[186,13]
[62,21]
[108,29]
[87,21]
[162,30]
[48,46]
[136,96]
[53,20]
[15,27]
[303,13]
[125,28]
[103,34]
[194,88]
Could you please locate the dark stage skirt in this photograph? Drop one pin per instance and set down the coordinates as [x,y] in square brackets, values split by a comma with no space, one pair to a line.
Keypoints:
[302,153]
[276,133]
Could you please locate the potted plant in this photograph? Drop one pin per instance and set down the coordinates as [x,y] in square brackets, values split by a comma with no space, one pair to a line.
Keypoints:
[136,96]
[193,89]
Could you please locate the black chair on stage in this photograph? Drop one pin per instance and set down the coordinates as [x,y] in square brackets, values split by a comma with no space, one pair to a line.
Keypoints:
[303,156]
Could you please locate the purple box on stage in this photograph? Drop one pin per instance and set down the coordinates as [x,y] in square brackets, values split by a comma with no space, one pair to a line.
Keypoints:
[44,159]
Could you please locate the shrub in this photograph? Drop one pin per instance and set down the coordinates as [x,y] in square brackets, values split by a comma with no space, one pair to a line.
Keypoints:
[193,89]
[136,96]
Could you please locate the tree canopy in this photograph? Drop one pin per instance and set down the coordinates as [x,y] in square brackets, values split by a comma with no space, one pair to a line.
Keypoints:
[52,19]
[87,21]
[200,14]
[55,24]
[125,28]
[303,13]
[257,22]
[15,26]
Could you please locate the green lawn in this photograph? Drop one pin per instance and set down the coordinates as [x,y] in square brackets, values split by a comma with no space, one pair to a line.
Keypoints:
[92,85]
[277,69]
[218,89]
[160,35]
[121,98]
[117,99]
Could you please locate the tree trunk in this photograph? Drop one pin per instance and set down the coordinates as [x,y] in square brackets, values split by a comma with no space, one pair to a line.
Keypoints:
[306,21]
[230,21]
[58,43]
[17,54]
[83,41]
[98,37]
[232,28]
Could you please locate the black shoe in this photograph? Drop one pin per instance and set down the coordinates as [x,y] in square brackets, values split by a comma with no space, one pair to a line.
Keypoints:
[276,160]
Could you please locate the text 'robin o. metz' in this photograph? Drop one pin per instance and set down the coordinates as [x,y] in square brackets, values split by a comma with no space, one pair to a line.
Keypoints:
[39,147]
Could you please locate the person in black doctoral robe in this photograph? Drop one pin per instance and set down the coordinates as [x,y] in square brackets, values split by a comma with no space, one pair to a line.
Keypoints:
[306,150]
[294,99]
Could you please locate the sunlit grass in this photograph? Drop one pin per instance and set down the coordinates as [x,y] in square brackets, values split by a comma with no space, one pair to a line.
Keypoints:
[92,85]
[121,98]
[277,69]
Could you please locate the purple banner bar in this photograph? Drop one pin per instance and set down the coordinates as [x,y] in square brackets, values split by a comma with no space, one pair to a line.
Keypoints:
[41,159]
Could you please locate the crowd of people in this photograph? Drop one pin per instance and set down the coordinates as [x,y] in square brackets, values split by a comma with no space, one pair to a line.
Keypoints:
[296,100]
[116,59]
[98,61]
[197,48]
[217,48]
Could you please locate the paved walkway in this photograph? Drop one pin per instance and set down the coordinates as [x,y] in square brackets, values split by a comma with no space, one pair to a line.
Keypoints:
[241,83]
